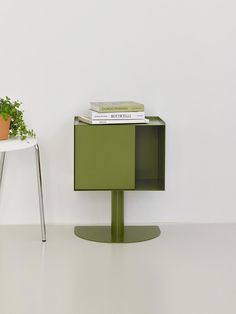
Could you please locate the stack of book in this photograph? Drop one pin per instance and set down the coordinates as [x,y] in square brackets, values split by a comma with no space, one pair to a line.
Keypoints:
[118,112]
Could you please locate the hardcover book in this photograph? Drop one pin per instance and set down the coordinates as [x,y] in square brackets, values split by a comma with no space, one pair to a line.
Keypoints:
[116,115]
[117,106]
[88,120]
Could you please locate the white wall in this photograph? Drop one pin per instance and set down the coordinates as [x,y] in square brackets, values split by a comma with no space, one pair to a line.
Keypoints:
[177,57]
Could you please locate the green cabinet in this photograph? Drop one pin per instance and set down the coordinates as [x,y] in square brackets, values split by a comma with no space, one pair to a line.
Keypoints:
[117,158]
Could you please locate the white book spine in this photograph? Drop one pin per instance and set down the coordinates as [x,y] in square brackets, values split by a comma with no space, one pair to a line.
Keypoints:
[114,121]
[116,115]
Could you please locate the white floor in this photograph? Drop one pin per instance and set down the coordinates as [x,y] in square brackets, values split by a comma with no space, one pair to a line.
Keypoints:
[189,269]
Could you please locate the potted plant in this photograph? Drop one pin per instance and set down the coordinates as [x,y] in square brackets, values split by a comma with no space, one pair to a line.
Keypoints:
[12,121]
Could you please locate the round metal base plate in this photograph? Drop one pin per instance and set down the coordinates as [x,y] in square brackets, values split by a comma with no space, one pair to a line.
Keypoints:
[131,233]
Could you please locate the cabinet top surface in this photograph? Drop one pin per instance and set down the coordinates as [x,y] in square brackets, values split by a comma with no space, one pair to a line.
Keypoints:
[153,120]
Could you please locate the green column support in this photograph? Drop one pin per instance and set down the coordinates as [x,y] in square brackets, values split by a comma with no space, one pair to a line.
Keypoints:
[117,216]
[117,232]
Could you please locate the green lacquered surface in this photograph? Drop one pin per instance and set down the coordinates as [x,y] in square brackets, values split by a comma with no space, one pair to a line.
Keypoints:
[117,232]
[146,155]
[120,157]
[161,157]
[149,157]
[104,157]
[104,234]
[117,215]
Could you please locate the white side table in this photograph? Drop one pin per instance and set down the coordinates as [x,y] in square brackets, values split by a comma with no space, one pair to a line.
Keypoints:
[14,144]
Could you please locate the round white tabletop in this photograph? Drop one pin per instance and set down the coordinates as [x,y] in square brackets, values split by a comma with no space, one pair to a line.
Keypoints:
[16,143]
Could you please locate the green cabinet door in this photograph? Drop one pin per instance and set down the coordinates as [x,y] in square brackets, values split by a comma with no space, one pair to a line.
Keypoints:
[104,157]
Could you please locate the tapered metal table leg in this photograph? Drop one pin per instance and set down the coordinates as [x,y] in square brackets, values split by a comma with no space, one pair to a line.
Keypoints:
[40,191]
[2,166]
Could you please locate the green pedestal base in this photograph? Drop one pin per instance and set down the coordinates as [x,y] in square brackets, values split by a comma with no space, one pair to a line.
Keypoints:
[130,234]
[117,232]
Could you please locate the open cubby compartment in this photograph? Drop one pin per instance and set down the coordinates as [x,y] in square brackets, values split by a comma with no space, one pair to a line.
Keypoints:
[150,157]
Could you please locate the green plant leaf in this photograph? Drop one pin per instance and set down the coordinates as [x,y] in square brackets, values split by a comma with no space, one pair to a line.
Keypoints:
[17,125]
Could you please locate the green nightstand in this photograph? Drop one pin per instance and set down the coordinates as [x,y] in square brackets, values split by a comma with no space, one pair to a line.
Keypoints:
[117,158]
